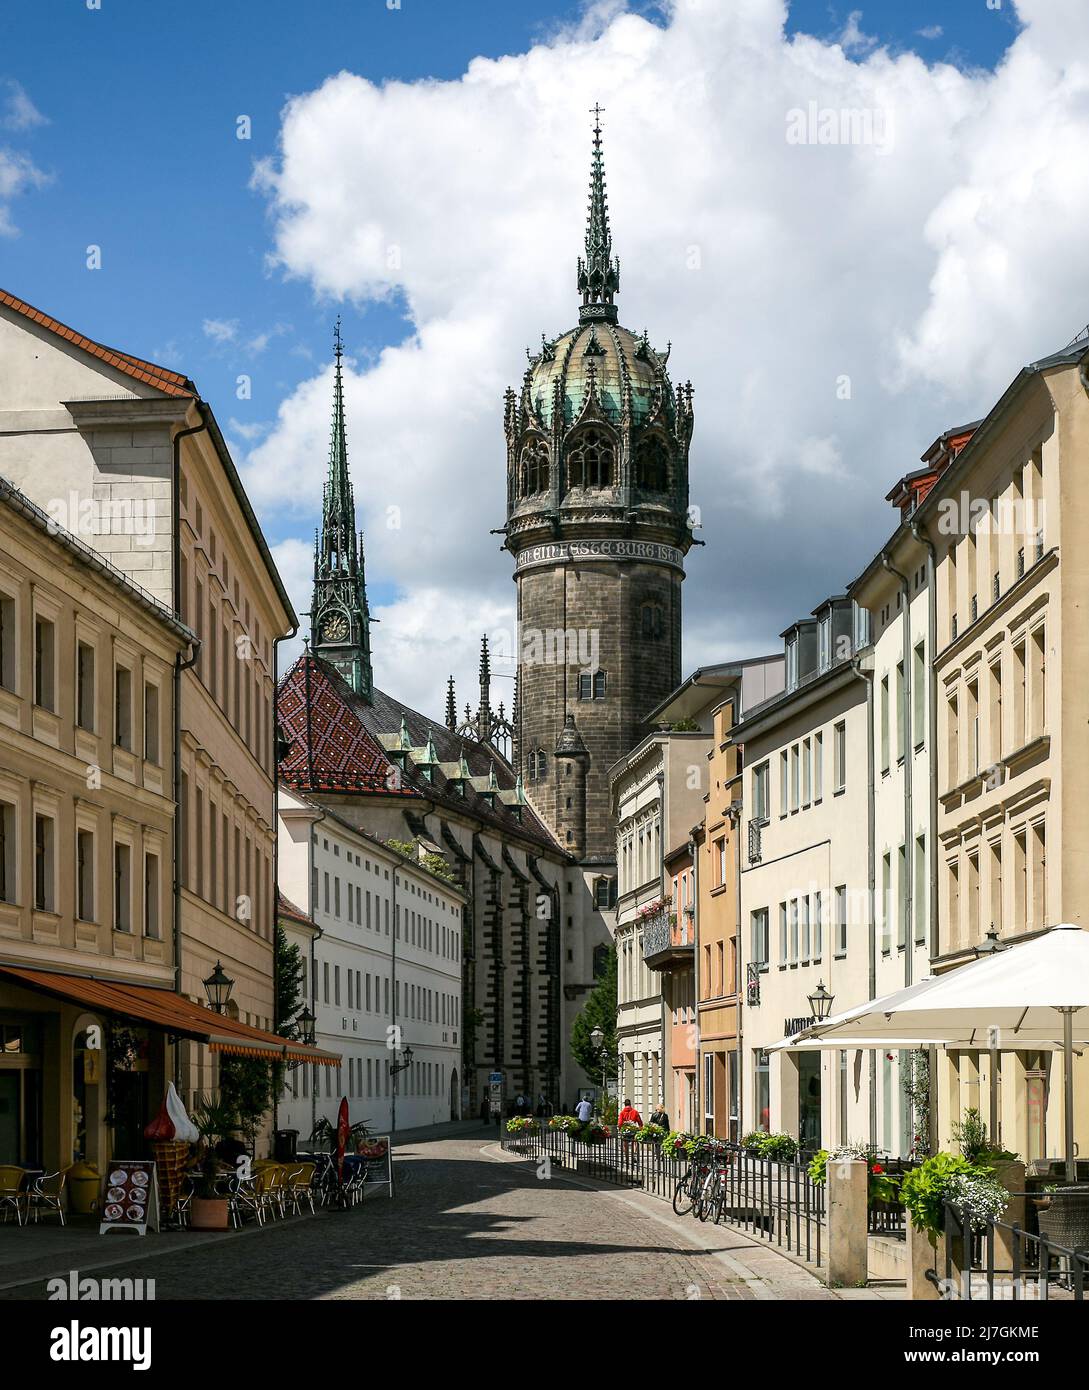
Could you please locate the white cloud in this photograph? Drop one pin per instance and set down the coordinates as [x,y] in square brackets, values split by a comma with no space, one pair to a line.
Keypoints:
[853,40]
[221,330]
[17,111]
[931,31]
[18,174]
[835,306]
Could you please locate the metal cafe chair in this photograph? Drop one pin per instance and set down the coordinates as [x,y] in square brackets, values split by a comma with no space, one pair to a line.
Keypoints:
[11,1191]
[298,1188]
[46,1194]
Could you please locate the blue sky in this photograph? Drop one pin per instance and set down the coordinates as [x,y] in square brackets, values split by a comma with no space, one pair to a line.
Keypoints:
[136,152]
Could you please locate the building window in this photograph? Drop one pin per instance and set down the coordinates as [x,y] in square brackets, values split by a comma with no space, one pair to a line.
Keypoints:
[85,876]
[762,1088]
[592,685]
[122,707]
[7,641]
[538,765]
[760,804]
[7,852]
[839,753]
[652,621]
[85,686]
[590,460]
[918,693]
[151,723]
[841,920]
[44,663]
[605,892]
[151,895]
[122,888]
[652,465]
[44,886]
[533,474]
[759,936]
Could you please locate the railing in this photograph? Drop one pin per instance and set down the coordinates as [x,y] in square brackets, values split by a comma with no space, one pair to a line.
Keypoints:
[777,1202]
[1009,1262]
[660,933]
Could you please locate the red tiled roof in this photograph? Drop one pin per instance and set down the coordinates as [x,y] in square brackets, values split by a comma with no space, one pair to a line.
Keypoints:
[286,908]
[150,373]
[330,749]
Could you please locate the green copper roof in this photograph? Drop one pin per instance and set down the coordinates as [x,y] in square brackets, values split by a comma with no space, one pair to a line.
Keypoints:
[609,355]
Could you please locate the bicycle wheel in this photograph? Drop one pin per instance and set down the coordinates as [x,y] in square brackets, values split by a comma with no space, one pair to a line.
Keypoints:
[682,1195]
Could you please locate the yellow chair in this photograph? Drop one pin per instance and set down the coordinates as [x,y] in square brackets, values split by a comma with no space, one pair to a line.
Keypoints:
[11,1191]
[298,1188]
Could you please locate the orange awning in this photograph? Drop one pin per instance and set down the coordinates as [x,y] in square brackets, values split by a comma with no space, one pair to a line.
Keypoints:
[163,1009]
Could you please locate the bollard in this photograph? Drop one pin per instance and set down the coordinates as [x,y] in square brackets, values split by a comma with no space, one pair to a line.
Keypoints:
[848,1187]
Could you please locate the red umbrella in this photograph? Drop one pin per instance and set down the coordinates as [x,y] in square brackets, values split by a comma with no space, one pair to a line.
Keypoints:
[343,1126]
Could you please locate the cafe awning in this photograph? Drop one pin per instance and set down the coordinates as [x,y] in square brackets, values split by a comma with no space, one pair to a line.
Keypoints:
[170,1012]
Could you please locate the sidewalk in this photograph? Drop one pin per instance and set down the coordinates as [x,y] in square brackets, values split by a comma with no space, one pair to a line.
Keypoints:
[770,1274]
[450,1129]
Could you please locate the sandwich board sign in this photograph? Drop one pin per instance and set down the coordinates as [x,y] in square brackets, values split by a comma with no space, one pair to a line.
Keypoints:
[131,1197]
[374,1155]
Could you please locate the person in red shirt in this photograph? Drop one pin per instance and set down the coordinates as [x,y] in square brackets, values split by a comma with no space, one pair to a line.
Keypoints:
[629,1115]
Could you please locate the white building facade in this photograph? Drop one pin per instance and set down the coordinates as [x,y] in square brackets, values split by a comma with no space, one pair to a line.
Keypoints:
[382,974]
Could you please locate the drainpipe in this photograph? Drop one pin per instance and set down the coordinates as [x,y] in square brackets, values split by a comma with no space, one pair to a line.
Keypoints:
[920,534]
[872,879]
[312,906]
[909,756]
[179,667]
[276,1021]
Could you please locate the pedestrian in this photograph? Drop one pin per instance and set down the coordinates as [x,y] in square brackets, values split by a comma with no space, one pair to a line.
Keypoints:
[629,1115]
[520,1104]
[660,1117]
[485,1111]
[542,1105]
[584,1110]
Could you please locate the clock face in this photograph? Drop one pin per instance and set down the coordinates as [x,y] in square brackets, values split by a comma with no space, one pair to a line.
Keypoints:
[335,628]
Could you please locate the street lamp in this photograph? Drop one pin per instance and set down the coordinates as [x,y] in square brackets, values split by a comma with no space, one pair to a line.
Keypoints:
[306,1021]
[820,1003]
[396,1067]
[597,1037]
[218,988]
[989,947]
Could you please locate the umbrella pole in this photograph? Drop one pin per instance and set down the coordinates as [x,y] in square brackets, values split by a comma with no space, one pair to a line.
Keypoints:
[993,1132]
[1068,1091]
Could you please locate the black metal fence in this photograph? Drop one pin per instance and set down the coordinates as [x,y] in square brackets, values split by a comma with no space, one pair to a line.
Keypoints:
[777,1202]
[1009,1262]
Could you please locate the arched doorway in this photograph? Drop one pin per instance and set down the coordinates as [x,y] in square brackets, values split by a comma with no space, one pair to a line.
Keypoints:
[454,1094]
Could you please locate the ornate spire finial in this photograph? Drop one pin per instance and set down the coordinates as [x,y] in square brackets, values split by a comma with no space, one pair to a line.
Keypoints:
[484,713]
[599,273]
[451,706]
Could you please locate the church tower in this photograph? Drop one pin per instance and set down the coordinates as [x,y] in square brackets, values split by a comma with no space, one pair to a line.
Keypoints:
[339,617]
[597,522]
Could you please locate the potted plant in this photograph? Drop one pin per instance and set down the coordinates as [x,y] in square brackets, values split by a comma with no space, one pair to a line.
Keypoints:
[595,1133]
[649,1134]
[215,1121]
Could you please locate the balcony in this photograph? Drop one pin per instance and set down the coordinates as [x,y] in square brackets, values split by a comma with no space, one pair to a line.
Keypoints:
[667,943]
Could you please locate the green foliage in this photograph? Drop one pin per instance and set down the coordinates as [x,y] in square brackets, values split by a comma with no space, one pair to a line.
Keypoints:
[434,863]
[599,1011]
[924,1190]
[215,1120]
[566,1124]
[325,1132]
[685,726]
[609,1110]
[522,1124]
[880,1186]
[780,1148]
[970,1135]
[289,974]
[246,1090]
[650,1134]
[675,1143]
[915,1081]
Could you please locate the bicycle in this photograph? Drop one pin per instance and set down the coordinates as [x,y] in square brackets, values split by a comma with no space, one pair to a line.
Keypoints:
[689,1184]
[711,1196]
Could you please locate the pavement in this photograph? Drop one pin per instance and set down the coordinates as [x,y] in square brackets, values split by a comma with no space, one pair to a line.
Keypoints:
[468,1222]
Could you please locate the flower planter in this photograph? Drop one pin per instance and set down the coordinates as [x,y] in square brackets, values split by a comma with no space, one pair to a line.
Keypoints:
[208,1214]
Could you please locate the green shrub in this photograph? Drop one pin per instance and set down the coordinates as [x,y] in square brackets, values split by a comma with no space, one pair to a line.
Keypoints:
[924,1190]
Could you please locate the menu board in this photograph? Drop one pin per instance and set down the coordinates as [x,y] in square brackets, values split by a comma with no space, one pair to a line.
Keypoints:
[130,1199]
[375,1157]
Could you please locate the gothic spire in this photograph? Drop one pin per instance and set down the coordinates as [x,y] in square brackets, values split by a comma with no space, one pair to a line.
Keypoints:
[339,616]
[599,272]
[451,706]
[484,713]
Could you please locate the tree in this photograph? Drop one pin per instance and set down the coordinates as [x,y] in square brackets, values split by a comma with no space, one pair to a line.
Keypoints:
[289,975]
[599,1011]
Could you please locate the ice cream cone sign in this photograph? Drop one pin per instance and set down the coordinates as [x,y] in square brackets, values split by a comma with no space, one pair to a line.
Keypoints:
[343,1128]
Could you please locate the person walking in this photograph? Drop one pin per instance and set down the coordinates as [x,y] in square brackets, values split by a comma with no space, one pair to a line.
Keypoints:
[584,1111]
[629,1115]
[660,1117]
[485,1111]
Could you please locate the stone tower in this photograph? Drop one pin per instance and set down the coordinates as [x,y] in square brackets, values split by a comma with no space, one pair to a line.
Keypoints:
[597,522]
[339,616]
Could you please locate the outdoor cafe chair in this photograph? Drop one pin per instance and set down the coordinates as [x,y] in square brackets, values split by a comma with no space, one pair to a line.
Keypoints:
[11,1191]
[298,1188]
[46,1194]
[243,1201]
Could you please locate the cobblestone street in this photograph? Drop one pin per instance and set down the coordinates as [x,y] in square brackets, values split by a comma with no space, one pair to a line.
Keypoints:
[468,1223]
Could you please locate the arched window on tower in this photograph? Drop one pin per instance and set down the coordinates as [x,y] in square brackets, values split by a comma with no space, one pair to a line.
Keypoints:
[601,961]
[590,460]
[537,765]
[533,468]
[652,465]
[652,620]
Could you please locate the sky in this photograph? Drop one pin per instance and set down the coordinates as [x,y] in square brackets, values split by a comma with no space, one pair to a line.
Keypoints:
[853,223]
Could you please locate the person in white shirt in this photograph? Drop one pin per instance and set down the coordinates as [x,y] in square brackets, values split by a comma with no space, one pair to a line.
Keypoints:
[584,1110]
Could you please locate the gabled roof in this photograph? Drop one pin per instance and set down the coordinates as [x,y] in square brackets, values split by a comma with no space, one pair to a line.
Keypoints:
[343,745]
[150,373]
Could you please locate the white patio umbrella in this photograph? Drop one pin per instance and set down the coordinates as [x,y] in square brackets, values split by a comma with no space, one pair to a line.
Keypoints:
[1027,996]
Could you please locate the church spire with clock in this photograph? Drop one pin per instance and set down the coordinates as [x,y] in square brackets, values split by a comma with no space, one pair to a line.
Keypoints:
[339,617]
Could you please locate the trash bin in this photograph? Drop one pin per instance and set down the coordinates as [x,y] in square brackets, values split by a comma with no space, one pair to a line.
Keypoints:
[283,1145]
[84,1183]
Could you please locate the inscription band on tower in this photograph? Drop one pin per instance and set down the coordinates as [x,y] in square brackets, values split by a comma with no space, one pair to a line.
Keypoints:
[552,553]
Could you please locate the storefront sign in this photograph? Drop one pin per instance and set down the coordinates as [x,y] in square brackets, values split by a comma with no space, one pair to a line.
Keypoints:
[131,1197]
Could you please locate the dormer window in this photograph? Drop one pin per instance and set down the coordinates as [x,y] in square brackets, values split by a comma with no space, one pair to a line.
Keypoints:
[792,661]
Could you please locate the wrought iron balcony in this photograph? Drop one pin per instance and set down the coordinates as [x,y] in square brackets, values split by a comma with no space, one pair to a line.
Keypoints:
[667,942]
